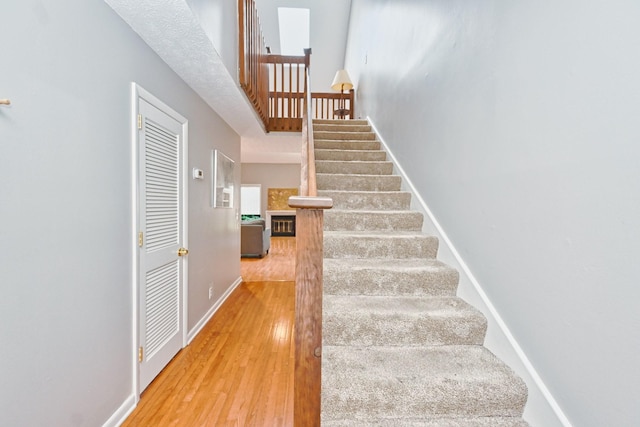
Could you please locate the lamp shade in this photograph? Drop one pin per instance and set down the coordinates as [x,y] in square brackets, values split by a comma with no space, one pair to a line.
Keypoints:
[342,81]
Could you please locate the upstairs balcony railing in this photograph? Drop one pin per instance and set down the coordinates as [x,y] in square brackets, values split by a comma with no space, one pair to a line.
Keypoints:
[275,84]
[287,84]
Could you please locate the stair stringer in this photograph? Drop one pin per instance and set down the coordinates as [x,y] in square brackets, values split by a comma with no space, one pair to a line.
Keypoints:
[541,409]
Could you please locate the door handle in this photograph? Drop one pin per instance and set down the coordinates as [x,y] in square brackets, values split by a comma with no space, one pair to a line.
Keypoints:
[183,251]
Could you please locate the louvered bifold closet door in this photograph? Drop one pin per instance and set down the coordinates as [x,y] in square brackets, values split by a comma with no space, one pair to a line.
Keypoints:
[161,197]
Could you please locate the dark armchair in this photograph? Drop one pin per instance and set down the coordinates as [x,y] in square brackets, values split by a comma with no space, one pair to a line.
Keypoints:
[255,238]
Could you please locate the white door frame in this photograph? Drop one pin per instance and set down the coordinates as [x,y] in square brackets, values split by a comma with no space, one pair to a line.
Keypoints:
[137,92]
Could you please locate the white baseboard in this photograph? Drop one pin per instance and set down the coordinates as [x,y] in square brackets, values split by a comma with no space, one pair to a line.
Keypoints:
[209,314]
[542,409]
[121,414]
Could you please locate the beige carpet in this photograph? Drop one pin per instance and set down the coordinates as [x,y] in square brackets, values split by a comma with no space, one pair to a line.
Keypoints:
[399,348]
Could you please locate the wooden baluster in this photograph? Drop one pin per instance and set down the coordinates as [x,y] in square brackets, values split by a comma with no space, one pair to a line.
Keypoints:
[290,112]
[351,96]
[281,96]
[241,36]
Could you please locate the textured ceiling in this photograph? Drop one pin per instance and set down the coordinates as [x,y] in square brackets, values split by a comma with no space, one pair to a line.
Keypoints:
[170,28]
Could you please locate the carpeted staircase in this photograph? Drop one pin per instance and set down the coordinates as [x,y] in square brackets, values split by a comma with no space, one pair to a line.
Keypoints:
[399,348]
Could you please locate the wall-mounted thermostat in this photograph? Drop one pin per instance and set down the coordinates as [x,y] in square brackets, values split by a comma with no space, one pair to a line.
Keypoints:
[198,173]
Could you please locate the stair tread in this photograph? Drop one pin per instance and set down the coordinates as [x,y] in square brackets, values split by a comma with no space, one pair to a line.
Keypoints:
[411,264]
[401,382]
[345,141]
[384,234]
[341,121]
[324,154]
[338,144]
[432,422]
[340,127]
[374,162]
[338,150]
[374,211]
[409,305]
[372,176]
[346,133]
[364,193]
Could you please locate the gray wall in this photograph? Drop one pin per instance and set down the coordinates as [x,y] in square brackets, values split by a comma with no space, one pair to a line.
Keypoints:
[65,213]
[518,124]
[271,176]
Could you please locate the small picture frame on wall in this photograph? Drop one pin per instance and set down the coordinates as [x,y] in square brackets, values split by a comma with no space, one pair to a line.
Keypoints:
[222,186]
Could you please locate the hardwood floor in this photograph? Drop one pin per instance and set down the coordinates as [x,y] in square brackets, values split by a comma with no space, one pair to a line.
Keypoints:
[238,371]
[279,264]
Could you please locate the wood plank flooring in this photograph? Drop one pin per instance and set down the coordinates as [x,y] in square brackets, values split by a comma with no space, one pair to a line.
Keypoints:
[238,371]
[279,264]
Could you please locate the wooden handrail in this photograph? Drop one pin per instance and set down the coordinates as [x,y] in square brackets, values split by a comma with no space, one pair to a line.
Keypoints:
[309,261]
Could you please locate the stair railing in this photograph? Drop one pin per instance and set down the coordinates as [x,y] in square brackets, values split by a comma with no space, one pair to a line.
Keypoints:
[309,259]
[287,85]
[275,84]
[326,105]
[253,71]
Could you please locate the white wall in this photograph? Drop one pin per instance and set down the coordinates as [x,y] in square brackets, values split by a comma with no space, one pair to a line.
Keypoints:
[65,209]
[329,21]
[518,124]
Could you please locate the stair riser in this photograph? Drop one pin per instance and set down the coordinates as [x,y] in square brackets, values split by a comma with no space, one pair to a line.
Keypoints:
[363,221]
[389,282]
[400,321]
[358,182]
[320,127]
[351,155]
[340,122]
[393,200]
[372,330]
[355,168]
[345,136]
[352,246]
[324,144]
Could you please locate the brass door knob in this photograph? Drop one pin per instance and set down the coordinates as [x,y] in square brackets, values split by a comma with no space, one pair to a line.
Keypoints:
[183,251]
